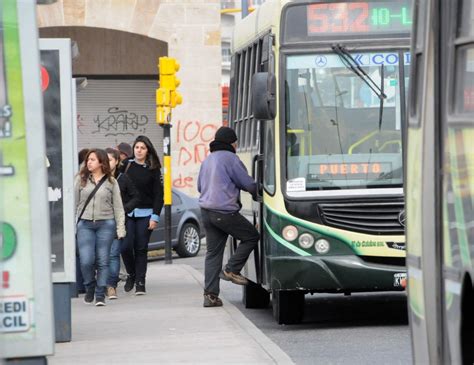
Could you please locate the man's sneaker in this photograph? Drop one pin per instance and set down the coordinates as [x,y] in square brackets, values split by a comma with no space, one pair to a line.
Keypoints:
[89,296]
[129,284]
[212,300]
[100,302]
[111,293]
[233,277]
[140,289]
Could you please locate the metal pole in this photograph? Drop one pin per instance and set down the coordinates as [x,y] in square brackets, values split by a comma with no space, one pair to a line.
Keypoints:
[167,187]
[245,8]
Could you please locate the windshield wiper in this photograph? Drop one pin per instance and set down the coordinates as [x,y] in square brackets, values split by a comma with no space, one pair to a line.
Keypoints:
[352,65]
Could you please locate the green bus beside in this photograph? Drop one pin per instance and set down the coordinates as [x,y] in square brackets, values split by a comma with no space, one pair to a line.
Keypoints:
[440,183]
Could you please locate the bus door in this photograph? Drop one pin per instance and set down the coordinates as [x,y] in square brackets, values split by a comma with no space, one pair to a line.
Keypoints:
[456,191]
[265,160]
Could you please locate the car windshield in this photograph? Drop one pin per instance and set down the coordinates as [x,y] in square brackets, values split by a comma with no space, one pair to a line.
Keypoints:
[338,136]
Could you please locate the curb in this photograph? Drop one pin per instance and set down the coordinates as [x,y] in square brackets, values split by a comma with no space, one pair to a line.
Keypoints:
[272,349]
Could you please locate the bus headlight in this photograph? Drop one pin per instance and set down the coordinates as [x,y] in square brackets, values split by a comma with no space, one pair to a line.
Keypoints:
[290,233]
[306,240]
[322,246]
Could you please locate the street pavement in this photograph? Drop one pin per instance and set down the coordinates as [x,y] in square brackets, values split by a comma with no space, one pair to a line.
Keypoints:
[168,325]
[364,328]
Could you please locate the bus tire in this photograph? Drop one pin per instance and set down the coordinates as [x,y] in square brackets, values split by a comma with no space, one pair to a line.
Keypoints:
[288,306]
[254,296]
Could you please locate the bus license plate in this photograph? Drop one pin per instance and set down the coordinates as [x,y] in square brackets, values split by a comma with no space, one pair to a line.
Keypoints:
[399,280]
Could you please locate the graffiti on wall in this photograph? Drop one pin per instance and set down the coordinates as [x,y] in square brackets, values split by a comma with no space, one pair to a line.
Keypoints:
[192,140]
[120,122]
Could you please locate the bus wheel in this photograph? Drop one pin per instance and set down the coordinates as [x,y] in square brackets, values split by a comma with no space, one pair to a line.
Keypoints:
[254,296]
[288,306]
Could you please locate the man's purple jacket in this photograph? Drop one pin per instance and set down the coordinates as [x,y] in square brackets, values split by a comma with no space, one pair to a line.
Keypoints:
[221,177]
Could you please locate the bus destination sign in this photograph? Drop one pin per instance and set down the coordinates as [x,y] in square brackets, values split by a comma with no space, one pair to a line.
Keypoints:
[365,17]
[349,170]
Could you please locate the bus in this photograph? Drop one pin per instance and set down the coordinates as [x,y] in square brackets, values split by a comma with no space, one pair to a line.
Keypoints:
[318,102]
[440,183]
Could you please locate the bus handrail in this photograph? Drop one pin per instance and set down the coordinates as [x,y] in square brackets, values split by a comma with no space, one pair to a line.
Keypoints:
[361,141]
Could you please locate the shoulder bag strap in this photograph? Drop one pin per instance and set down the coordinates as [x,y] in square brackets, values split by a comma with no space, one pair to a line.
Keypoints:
[128,166]
[89,198]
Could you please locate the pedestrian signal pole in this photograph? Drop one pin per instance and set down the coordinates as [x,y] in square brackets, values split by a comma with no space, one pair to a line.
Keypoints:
[167,98]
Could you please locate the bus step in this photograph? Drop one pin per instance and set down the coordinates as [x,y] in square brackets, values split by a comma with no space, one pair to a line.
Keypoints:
[255,296]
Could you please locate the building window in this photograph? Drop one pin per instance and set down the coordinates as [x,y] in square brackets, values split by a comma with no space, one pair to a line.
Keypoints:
[226,54]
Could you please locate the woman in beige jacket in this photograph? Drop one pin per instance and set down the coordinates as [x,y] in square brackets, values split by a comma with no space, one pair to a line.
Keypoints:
[102,219]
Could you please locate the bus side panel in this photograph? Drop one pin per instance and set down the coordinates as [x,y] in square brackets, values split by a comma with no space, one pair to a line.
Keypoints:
[416,303]
[458,239]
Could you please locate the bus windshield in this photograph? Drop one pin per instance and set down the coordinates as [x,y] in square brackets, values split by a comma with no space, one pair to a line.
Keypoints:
[338,133]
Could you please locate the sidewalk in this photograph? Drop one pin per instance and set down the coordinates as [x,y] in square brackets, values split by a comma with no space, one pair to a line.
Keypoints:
[168,325]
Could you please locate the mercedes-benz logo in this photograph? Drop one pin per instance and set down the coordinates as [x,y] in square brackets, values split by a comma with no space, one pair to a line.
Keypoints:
[321,61]
[402,217]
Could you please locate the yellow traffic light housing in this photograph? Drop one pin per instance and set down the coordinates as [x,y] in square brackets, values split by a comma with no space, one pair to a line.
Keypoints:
[168,81]
[163,97]
[168,68]
[175,99]
[162,114]
[166,96]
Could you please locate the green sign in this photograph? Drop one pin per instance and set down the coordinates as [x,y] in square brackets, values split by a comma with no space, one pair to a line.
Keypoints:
[7,241]
[26,320]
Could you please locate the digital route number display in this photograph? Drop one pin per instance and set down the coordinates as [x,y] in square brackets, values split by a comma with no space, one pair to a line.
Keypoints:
[359,17]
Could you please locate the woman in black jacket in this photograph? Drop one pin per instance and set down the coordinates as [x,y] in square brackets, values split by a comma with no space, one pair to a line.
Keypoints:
[130,200]
[144,171]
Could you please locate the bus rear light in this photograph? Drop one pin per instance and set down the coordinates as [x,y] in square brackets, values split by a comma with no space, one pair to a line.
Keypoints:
[306,240]
[290,233]
[322,246]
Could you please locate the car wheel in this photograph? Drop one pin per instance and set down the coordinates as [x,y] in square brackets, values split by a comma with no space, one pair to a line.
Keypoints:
[189,241]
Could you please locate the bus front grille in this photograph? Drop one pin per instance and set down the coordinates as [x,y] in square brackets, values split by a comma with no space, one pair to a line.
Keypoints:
[381,218]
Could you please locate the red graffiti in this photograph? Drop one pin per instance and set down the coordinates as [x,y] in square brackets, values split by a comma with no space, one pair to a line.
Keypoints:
[194,137]
[183,182]
[195,131]
[196,156]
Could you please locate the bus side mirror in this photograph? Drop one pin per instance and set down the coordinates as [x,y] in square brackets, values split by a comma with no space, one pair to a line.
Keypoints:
[264,96]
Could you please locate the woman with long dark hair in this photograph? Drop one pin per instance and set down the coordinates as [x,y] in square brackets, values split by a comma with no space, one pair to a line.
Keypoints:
[144,171]
[130,200]
[100,217]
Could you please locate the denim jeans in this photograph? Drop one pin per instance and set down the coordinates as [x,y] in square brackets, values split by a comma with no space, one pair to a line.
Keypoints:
[114,263]
[135,248]
[79,279]
[218,227]
[94,239]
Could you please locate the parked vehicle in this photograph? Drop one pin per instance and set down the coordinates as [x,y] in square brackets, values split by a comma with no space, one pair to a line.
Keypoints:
[186,227]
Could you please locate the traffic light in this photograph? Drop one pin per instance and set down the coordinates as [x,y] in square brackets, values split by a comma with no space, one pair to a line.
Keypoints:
[168,80]
[162,113]
[175,99]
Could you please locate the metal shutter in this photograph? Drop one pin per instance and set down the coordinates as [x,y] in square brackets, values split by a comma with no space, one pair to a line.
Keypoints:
[114,111]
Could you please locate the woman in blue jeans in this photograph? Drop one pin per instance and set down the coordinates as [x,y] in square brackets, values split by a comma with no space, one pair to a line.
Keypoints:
[144,171]
[130,200]
[99,221]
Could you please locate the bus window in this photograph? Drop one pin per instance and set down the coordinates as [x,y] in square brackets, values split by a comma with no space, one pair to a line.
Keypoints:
[336,136]
[269,161]
[466,19]
[464,96]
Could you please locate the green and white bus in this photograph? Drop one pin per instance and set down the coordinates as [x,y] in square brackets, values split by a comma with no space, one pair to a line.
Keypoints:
[318,101]
[440,183]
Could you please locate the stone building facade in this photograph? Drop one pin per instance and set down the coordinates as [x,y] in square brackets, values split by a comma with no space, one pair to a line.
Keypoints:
[119,43]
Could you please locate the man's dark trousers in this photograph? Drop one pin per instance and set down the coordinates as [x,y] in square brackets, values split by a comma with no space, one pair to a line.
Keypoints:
[218,227]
